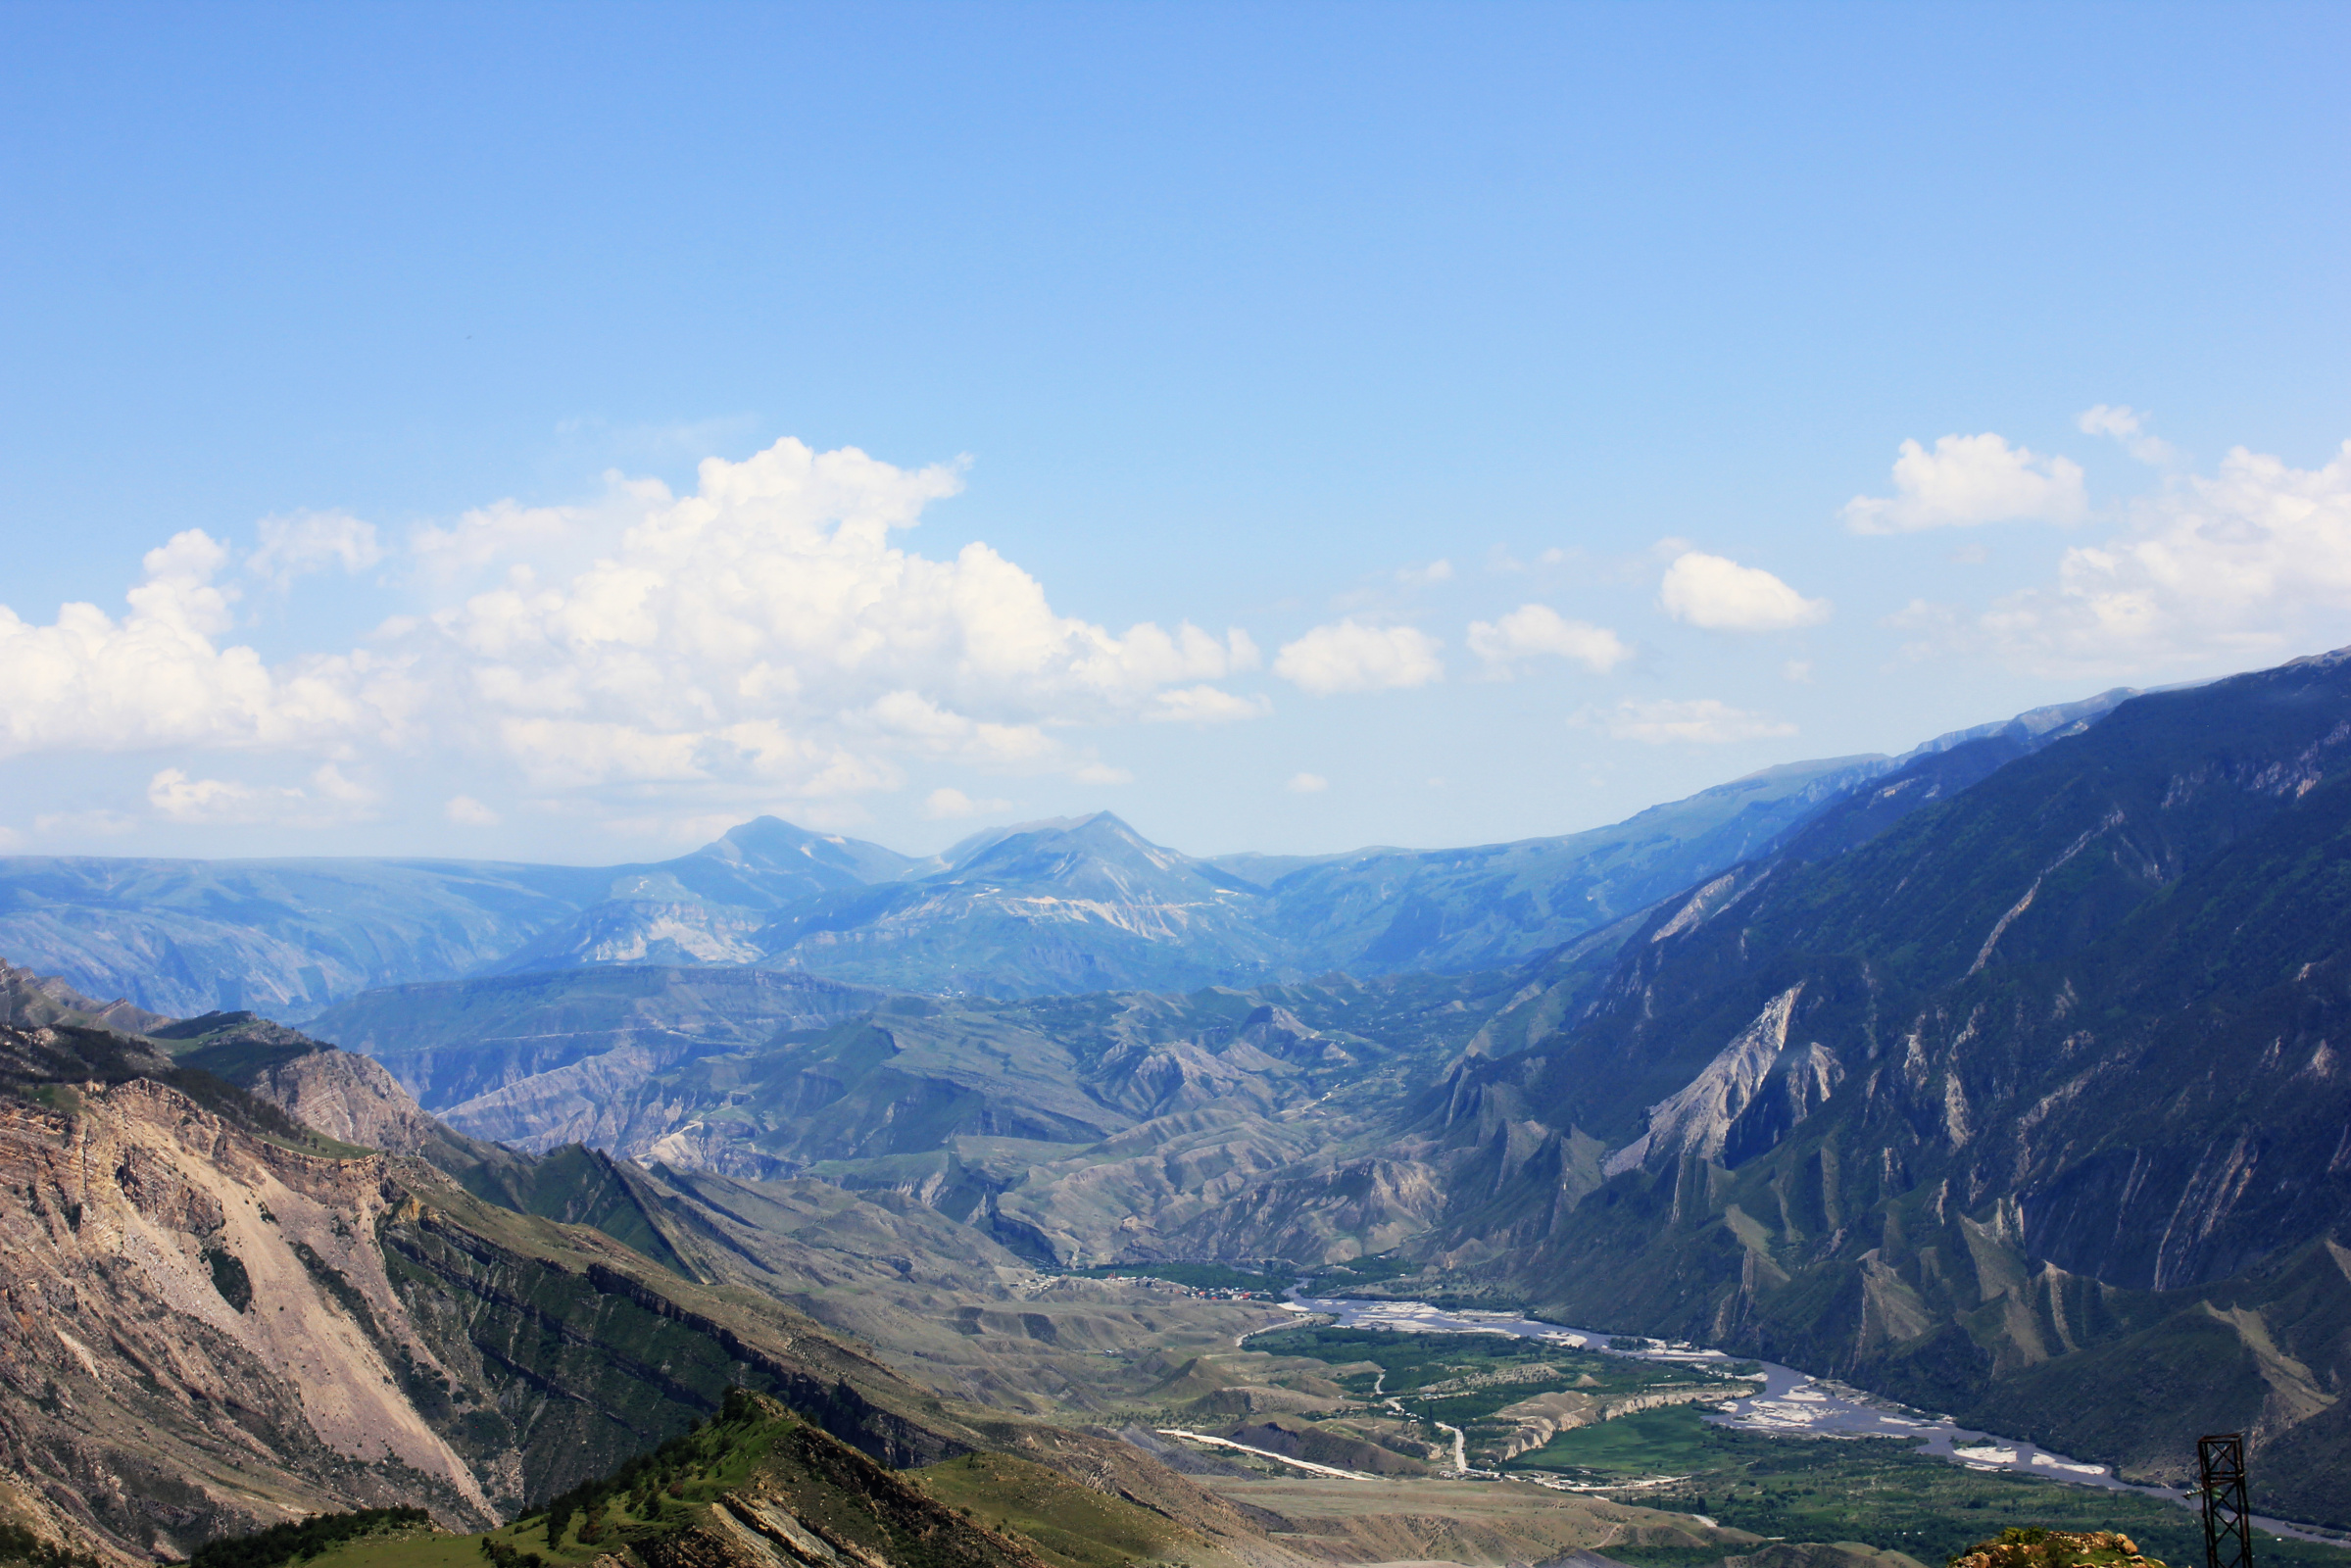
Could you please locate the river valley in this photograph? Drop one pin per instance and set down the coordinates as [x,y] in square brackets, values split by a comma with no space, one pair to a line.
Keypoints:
[1792,1403]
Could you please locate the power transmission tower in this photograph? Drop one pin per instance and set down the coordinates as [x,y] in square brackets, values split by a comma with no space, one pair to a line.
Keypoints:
[2227,1519]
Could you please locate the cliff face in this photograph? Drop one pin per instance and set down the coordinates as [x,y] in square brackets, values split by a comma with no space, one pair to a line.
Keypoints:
[211,1327]
[200,1336]
[348,1098]
[2030,1106]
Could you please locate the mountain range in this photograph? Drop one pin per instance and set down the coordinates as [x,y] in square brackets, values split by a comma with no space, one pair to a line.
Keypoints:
[2027,1105]
[2004,1078]
[1994,1079]
[1065,906]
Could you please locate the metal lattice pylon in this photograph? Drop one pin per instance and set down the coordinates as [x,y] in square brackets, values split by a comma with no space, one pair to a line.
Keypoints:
[2227,1519]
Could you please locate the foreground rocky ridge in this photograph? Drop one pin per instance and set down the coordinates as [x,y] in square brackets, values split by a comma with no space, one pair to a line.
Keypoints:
[757,1487]
[219,1319]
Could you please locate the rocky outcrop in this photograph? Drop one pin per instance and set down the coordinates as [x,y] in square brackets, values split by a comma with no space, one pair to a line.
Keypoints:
[351,1098]
[813,1501]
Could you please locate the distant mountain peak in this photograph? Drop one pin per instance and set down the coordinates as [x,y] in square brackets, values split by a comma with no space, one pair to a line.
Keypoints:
[768,842]
[765,837]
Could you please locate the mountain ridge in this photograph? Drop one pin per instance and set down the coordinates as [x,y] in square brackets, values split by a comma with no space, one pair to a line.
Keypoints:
[1984,1106]
[293,937]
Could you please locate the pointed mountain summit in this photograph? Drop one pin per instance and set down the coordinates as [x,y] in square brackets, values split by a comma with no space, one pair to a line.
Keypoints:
[966,850]
[769,848]
[1070,904]
[1093,857]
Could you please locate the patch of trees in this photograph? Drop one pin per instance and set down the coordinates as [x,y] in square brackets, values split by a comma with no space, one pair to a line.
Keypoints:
[303,1538]
[657,1473]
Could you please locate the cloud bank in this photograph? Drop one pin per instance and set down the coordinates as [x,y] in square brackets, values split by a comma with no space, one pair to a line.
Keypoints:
[762,635]
[2244,567]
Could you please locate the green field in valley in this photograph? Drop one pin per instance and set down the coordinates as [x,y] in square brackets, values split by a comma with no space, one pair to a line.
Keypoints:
[1874,1490]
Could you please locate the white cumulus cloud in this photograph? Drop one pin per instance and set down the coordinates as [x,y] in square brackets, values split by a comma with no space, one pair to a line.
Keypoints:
[1970,480]
[764,637]
[158,677]
[1721,595]
[1704,720]
[1349,656]
[755,628]
[2242,566]
[1534,630]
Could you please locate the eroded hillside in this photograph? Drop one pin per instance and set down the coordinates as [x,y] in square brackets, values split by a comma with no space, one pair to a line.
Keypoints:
[219,1318]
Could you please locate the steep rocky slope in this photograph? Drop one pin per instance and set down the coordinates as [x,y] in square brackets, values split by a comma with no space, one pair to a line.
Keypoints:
[218,1318]
[2027,1105]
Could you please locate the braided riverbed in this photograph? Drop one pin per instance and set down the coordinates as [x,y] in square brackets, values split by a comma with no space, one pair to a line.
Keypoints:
[1792,1403]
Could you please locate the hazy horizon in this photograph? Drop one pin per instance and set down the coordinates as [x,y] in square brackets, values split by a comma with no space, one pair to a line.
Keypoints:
[962,833]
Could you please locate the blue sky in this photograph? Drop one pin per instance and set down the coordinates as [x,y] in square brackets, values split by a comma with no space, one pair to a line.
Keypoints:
[1512,400]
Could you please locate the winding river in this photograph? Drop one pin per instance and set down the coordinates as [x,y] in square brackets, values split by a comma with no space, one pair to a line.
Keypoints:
[1792,1403]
